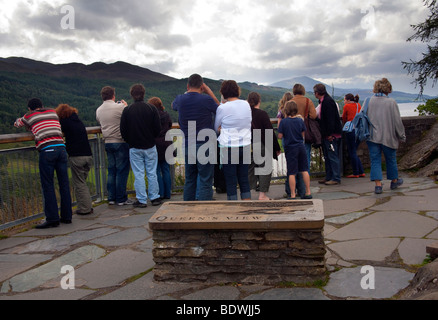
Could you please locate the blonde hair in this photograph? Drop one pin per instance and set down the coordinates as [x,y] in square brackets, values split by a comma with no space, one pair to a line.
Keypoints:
[286,97]
[382,86]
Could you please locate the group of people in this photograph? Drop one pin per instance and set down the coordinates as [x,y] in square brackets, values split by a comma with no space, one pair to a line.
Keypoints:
[386,132]
[135,138]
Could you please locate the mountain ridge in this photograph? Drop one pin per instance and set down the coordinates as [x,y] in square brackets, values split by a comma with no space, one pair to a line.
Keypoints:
[309,83]
[97,70]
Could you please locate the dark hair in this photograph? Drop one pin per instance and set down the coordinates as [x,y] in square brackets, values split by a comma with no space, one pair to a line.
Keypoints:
[230,89]
[320,89]
[107,93]
[195,81]
[351,97]
[290,109]
[34,104]
[299,89]
[137,92]
[65,111]
[254,99]
[157,103]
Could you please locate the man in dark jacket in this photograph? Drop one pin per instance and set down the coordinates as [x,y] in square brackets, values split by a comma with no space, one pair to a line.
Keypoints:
[139,126]
[331,132]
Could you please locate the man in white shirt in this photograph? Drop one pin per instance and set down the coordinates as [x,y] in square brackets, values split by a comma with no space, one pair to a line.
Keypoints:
[117,150]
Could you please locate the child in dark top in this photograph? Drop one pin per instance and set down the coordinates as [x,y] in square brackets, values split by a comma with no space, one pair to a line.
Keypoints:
[292,130]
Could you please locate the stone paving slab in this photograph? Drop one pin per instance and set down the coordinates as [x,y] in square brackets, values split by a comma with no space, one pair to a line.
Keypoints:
[427,200]
[56,294]
[214,293]
[12,264]
[13,242]
[413,251]
[289,294]
[386,224]
[115,268]
[346,283]
[342,206]
[65,242]
[146,289]
[366,249]
[123,238]
[36,277]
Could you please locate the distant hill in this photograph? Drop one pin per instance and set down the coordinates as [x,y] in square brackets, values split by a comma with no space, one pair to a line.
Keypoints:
[98,70]
[309,83]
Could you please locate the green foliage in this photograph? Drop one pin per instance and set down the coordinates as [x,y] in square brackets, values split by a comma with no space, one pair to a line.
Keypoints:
[426,68]
[430,108]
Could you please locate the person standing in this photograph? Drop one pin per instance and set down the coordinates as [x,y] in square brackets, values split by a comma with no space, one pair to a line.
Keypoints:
[288,96]
[44,125]
[351,108]
[306,108]
[117,150]
[195,107]
[163,169]
[233,123]
[291,130]
[331,132]
[387,131]
[140,125]
[262,123]
[80,156]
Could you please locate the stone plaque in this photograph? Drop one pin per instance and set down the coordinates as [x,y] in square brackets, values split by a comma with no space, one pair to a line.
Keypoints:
[239,215]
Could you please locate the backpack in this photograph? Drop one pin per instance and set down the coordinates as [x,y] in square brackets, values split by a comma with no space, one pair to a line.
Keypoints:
[362,124]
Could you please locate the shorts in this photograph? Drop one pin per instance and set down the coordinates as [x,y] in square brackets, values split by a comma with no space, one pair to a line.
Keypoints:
[296,159]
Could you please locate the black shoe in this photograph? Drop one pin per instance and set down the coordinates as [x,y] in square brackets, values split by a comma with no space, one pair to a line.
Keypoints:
[156,202]
[48,225]
[85,214]
[65,221]
[138,204]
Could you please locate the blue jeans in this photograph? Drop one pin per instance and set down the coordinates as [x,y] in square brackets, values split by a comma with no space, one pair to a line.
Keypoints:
[236,173]
[145,161]
[51,160]
[352,145]
[199,179]
[376,151]
[118,171]
[164,179]
[332,159]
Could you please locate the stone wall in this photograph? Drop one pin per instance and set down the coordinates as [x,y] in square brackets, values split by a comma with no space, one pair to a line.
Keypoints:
[414,127]
[241,256]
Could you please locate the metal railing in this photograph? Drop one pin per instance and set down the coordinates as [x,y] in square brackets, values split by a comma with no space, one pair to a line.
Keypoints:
[21,197]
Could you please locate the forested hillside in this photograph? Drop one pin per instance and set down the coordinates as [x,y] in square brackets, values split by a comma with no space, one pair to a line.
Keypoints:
[79,86]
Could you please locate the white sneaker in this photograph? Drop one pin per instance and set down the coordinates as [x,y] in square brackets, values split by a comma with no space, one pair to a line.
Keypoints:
[126,203]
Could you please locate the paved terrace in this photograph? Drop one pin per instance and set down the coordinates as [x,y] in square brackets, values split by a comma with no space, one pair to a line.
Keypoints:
[111,250]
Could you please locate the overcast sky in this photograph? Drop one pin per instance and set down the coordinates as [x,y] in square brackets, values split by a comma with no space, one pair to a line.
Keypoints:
[346,43]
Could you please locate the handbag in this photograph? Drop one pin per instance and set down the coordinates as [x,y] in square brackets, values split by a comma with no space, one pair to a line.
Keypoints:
[349,126]
[313,131]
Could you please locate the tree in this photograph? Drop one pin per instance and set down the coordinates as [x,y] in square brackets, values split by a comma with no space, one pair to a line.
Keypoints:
[427,68]
[430,108]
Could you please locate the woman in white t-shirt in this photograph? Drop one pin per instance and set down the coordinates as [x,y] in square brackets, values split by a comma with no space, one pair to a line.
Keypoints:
[233,123]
